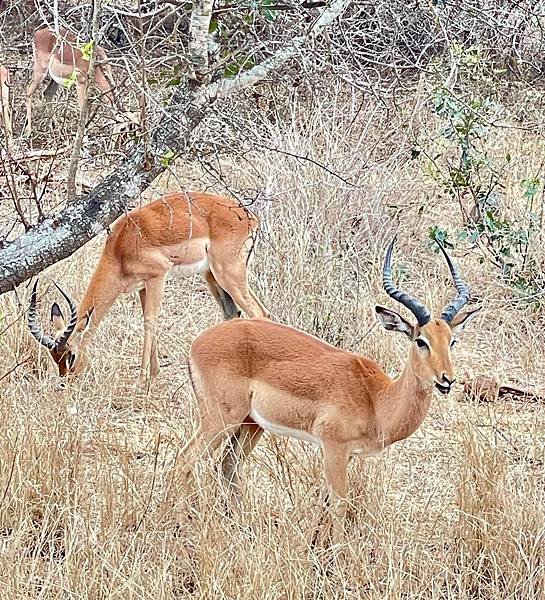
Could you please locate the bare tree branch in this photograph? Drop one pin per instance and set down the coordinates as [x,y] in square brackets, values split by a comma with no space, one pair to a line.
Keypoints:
[245,79]
[198,41]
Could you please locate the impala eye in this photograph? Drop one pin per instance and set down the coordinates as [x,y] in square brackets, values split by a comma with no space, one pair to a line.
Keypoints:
[422,344]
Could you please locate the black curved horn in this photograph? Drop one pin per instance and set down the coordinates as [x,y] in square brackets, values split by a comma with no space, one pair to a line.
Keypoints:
[418,309]
[35,330]
[450,311]
[69,329]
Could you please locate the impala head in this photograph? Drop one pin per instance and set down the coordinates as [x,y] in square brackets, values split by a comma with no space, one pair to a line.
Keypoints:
[65,346]
[431,338]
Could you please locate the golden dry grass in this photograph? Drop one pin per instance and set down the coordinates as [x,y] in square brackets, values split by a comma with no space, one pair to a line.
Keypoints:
[457,511]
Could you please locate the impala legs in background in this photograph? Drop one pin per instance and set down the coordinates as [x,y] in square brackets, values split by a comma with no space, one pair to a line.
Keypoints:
[239,446]
[5,105]
[229,269]
[230,309]
[39,73]
[153,296]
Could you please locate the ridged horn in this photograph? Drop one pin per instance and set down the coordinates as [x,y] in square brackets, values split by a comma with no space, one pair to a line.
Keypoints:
[418,309]
[450,311]
[35,330]
[69,329]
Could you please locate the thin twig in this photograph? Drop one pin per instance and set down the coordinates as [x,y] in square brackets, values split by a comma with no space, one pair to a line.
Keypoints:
[310,160]
[11,471]
[15,367]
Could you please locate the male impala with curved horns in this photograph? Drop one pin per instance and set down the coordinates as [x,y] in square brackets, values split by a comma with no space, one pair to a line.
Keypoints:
[254,375]
[60,56]
[178,234]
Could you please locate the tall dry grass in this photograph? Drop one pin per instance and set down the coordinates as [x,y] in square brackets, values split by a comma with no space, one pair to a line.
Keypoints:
[87,478]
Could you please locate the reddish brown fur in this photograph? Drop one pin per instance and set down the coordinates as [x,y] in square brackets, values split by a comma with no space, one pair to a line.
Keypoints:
[61,57]
[247,372]
[177,229]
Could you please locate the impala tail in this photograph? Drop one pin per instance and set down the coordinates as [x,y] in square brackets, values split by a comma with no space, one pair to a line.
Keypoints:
[51,90]
[230,309]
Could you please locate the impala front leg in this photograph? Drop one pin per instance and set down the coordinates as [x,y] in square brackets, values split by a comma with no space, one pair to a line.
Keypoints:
[154,359]
[335,465]
[151,299]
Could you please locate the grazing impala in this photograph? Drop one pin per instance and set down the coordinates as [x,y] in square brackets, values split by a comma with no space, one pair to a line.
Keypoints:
[60,56]
[254,375]
[5,106]
[178,234]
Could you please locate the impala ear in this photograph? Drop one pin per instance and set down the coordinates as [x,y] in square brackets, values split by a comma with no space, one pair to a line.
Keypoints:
[392,321]
[57,318]
[458,324]
[85,322]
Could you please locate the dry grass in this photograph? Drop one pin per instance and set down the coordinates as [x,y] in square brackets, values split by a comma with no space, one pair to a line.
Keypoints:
[457,511]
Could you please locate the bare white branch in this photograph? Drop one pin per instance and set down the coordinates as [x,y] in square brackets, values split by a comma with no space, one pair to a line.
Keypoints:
[199,34]
[224,87]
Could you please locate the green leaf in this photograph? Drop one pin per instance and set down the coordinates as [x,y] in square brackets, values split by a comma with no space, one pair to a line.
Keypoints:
[437,234]
[167,157]
[237,66]
[69,81]
[173,81]
[270,15]
[531,186]
[214,26]
[87,50]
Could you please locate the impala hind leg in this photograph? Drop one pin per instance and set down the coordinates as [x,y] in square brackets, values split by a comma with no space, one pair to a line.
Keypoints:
[102,74]
[219,416]
[153,296]
[81,87]
[39,73]
[229,270]
[5,109]
[230,309]
[208,437]
[238,448]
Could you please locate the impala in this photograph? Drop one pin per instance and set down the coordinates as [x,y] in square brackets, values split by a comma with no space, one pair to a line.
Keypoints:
[5,106]
[62,58]
[255,375]
[178,234]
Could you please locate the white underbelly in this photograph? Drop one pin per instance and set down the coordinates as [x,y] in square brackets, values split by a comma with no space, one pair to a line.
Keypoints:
[64,81]
[366,452]
[189,269]
[281,430]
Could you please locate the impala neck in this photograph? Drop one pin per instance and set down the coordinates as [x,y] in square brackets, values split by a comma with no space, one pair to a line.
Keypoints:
[405,403]
[103,289]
